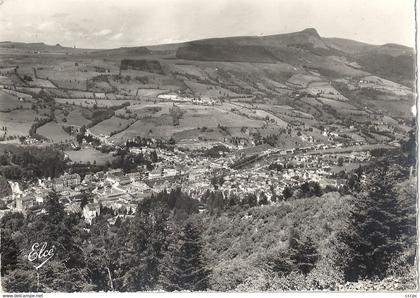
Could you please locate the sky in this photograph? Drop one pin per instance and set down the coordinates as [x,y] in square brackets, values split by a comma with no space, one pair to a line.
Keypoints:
[118,23]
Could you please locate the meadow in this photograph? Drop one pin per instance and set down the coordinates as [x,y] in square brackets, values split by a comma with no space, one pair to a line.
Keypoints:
[89,155]
[9,102]
[54,132]
[17,122]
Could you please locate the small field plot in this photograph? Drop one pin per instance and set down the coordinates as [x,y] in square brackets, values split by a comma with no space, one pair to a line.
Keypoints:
[311,101]
[134,79]
[26,70]
[157,127]
[9,102]
[188,70]
[5,80]
[336,104]
[125,84]
[67,76]
[384,85]
[354,113]
[393,108]
[54,132]
[266,115]
[325,90]
[91,102]
[70,116]
[301,80]
[199,116]
[80,94]
[150,92]
[41,83]
[143,111]
[213,134]
[17,122]
[89,155]
[99,84]
[31,90]
[16,80]
[110,125]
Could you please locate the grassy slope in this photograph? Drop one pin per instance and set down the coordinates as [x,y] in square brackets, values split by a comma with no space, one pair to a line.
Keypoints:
[236,244]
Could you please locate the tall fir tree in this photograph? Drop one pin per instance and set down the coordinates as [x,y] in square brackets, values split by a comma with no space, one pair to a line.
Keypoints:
[148,234]
[372,235]
[185,267]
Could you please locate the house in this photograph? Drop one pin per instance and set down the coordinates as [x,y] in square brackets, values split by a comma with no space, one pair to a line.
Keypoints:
[24,202]
[67,180]
[114,176]
[169,172]
[72,180]
[73,208]
[124,180]
[58,184]
[90,211]
[156,173]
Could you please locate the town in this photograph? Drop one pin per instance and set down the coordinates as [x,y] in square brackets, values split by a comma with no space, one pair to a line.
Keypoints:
[268,173]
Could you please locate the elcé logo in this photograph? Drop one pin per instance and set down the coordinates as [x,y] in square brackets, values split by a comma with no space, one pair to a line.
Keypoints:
[39,252]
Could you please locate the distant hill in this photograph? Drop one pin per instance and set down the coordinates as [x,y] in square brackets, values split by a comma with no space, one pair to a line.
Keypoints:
[347,45]
[127,51]
[41,47]
[333,57]
[266,49]
[225,50]
[303,52]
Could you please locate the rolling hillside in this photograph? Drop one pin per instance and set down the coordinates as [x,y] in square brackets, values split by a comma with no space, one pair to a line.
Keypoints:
[322,81]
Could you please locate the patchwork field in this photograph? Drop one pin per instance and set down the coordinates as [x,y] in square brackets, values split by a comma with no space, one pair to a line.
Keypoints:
[67,76]
[156,120]
[293,87]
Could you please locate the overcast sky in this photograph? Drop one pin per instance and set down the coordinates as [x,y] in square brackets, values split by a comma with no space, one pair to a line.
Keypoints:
[116,23]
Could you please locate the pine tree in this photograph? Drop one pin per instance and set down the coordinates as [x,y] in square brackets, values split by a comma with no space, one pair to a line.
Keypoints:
[300,256]
[168,273]
[148,234]
[187,270]
[304,254]
[287,193]
[373,229]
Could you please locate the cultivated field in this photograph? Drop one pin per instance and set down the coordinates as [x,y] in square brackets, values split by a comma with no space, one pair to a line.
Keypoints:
[110,125]
[9,102]
[72,116]
[18,122]
[54,132]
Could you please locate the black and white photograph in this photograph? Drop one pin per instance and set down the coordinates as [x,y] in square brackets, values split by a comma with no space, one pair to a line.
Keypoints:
[224,146]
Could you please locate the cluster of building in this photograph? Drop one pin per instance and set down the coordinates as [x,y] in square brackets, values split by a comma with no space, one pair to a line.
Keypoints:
[192,172]
[195,100]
